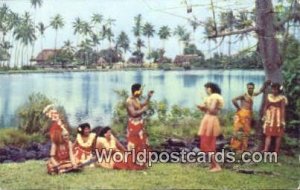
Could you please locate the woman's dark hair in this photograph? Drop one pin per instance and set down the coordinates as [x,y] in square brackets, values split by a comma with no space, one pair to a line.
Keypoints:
[135,87]
[214,87]
[82,126]
[103,131]
[277,86]
[97,130]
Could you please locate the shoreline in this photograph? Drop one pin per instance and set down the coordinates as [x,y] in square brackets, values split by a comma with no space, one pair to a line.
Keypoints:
[10,72]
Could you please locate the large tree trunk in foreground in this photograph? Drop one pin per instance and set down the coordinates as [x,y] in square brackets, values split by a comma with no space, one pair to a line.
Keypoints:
[267,43]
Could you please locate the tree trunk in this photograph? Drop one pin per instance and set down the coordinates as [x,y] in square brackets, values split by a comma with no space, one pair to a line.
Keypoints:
[269,51]
[267,43]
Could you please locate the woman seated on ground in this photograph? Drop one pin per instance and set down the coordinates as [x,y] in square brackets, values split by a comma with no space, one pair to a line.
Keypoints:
[84,143]
[61,154]
[107,142]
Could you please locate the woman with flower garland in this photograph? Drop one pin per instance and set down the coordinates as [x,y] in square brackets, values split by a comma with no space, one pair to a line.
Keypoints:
[84,143]
[274,116]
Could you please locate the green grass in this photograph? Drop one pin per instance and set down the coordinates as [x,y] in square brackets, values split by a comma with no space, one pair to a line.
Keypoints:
[32,174]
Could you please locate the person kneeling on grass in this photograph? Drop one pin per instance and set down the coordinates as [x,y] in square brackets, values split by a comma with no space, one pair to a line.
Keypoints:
[61,155]
[109,145]
[84,144]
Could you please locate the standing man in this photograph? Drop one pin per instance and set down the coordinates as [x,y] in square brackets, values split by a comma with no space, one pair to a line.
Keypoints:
[137,138]
[243,117]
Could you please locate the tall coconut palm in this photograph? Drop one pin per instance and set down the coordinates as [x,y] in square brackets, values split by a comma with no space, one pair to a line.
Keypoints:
[35,4]
[8,21]
[148,31]
[194,24]
[179,31]
[227,24]
[164,33]
[85,47]
[68,47]
[77,25]
[137,30]
[41,29]
[97,18]
[56,23]
[25,33]
[108,34]
[86,29]
[123,41]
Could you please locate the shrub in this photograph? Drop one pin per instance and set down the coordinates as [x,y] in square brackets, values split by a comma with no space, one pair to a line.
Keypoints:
[17,137]
[30,116]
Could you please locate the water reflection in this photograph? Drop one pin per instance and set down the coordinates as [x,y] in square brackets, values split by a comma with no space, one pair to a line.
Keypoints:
[90,97]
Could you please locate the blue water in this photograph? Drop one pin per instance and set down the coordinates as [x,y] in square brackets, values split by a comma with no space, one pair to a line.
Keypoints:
[90,97]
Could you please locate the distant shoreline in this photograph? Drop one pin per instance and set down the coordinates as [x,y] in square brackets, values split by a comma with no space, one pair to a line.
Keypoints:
[106,70]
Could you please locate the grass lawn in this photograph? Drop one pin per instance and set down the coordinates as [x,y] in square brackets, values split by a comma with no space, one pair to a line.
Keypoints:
[32,175]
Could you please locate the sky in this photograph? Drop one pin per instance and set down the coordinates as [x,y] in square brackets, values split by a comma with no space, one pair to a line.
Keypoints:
[157,12]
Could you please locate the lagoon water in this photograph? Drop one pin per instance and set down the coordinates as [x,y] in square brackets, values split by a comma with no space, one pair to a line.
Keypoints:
[90,97]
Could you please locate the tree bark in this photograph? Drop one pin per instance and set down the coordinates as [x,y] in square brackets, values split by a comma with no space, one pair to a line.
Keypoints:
[267,43]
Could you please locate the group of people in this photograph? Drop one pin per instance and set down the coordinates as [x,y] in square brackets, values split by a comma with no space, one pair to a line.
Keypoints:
[66,156]
[273,119]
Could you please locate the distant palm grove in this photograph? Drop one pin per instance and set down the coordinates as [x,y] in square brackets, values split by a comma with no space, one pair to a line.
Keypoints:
[19,34]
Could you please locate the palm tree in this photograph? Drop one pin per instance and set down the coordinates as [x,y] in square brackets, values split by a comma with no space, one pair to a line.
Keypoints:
[107,31]
[41,29]
[85,47]
[56,23]
[97,18]
[164,33]
[25,33]
[209,30]
[139,44]
[123,41]
[179,31]
[227,24]
[68,47]
[137,30]
[35,4]
[8,20]
[108,34]
[148,31]
[194,24]
[77,25]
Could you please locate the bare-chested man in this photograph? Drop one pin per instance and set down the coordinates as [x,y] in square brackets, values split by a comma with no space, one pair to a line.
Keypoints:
[137,138]
[243,117]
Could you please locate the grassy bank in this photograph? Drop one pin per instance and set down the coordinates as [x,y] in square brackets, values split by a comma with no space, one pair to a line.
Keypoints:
[32,175]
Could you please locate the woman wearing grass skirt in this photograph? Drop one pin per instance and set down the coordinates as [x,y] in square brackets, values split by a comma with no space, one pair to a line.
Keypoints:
[274,116]
[210,126]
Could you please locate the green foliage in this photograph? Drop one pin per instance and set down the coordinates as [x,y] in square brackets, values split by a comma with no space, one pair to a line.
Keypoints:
[168,121]
[120,112]
[192,49]
[28,67]
[291,76]
[17,137]
[30,116]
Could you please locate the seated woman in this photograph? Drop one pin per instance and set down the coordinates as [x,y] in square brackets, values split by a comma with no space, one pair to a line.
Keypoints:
[84,143]
[107,142]
[61,154]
